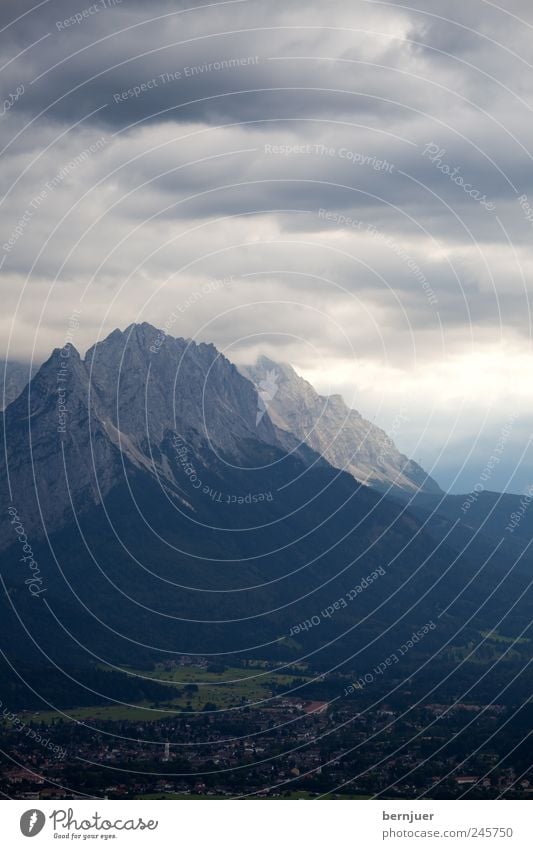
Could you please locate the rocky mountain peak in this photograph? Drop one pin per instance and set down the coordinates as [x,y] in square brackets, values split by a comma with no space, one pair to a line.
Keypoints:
[341,435]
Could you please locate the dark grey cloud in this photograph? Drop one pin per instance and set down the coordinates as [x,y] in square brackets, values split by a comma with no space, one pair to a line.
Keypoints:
[128,195]
[82,66]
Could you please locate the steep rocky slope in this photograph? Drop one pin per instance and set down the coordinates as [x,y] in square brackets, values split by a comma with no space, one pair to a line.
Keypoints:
[341,435]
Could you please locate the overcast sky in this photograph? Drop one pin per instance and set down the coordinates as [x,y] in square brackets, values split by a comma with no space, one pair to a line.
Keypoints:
[341,185]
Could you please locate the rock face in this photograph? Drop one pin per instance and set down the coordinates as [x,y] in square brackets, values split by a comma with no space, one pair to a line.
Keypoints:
[341,435]
[55,437]
[179,386]
[168,514]
[80,425]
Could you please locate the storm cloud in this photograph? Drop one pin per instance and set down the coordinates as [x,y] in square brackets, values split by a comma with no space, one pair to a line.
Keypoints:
[358,175]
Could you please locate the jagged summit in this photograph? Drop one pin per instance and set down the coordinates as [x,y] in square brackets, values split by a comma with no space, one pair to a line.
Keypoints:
[341,435]
[80,420]
[80,425]
[158,478]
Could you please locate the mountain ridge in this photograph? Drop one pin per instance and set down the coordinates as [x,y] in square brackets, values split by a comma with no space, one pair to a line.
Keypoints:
[340,434]
[168,514]
[131,392]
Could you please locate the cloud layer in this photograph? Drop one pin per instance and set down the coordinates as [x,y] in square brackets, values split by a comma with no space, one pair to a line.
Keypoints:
[356,176]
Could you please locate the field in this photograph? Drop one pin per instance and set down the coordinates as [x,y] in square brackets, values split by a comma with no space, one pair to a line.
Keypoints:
[199,689]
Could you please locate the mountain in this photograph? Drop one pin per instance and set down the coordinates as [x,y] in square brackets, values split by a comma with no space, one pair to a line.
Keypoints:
[155,509]
[80,425]
[338,433]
